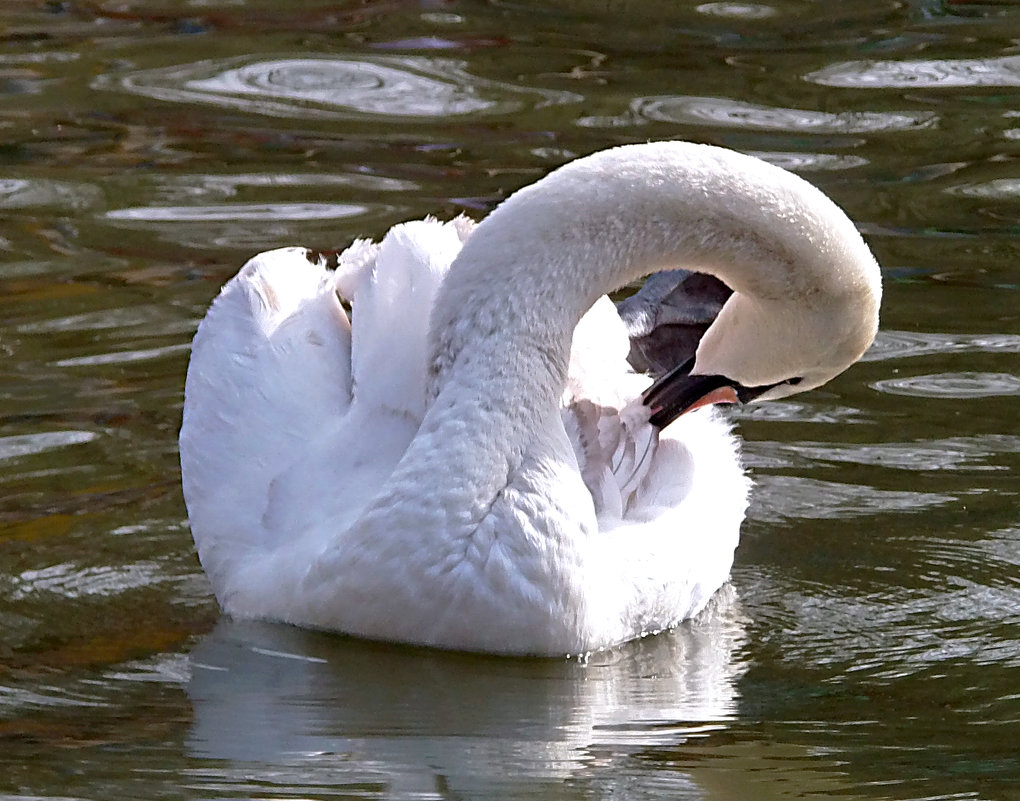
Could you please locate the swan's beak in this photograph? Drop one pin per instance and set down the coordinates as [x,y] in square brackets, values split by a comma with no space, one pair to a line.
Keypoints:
[677,393]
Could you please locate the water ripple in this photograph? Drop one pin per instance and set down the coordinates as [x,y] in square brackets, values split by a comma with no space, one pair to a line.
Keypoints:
[18,445]
[242,226]
[797,412]
[951,453]
[952,385]
[695,110]
[890,640]
[923,73]
[69,581]
[106,319]
[22,193]
[998,188]
[124,357]
[410,88]
[49,56]
[904,344]
[781,498]
[219,185]
[804,162]
[238,211]
[737,10]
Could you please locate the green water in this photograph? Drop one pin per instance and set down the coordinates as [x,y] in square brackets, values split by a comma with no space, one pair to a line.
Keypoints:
[868,646]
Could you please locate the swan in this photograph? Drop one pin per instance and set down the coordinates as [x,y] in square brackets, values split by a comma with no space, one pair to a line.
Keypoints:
[470,462]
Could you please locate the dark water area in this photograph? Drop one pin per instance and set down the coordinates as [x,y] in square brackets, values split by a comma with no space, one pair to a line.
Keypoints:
[868,646]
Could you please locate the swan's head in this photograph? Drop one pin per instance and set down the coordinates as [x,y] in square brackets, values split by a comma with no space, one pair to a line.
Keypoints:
[770,345]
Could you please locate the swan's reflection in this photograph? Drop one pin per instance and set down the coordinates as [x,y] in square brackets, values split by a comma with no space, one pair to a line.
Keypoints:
[413,722]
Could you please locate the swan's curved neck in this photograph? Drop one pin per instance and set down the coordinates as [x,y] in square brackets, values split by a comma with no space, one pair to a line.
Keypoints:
[503,319]
[534,266]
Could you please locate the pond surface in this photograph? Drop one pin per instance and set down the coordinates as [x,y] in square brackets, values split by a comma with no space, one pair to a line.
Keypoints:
[868,646]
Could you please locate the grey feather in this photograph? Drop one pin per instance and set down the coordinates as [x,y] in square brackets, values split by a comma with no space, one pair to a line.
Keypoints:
[667,317]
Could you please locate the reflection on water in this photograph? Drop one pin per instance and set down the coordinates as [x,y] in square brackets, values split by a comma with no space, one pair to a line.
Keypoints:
[412,88]
[412,721]
[146,150]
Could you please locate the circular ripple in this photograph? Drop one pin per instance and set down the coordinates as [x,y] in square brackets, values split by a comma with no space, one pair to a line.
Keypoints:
[718,111]
[952,385]
[409,88]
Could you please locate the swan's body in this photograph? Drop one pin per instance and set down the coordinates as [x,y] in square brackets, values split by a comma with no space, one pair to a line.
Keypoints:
[466,470]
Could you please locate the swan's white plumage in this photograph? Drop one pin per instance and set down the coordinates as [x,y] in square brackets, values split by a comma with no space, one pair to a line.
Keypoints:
[442,475]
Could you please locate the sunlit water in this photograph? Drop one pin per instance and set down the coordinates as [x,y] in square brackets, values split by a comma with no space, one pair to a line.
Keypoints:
[868,646]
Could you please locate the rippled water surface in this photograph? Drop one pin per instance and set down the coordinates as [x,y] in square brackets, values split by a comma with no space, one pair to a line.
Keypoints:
[868,646]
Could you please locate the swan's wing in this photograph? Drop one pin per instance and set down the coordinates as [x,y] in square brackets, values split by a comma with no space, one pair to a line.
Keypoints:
[392,287]
[667,317]
[291,420]
[270,366]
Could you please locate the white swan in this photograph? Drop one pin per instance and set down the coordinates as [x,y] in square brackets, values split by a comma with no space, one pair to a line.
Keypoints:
[470,467]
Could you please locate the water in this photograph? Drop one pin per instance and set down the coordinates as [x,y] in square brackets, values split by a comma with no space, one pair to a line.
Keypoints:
[868,646]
